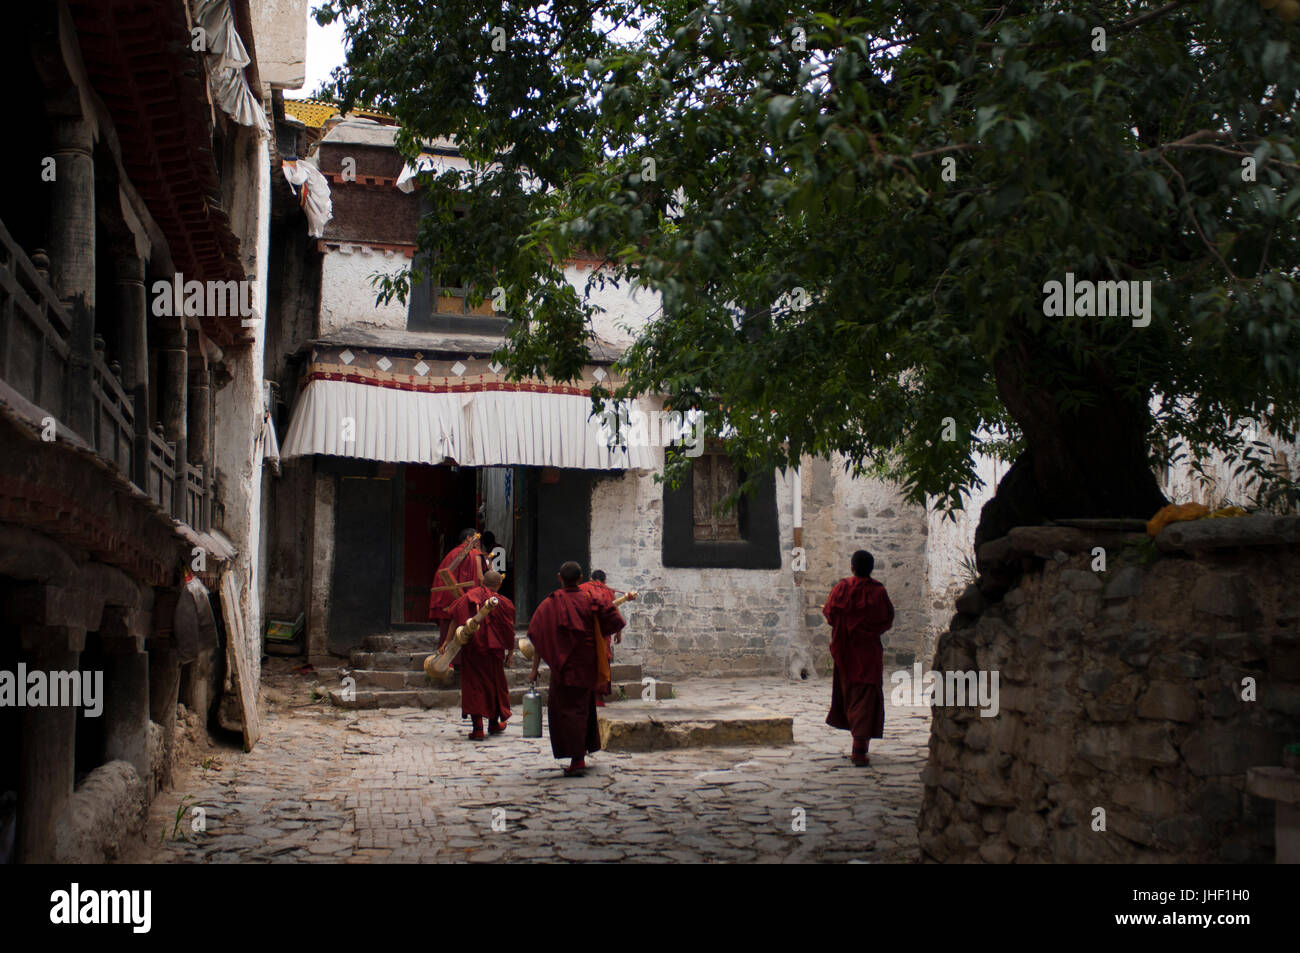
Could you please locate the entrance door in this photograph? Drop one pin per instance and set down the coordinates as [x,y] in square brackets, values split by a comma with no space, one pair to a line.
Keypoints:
[439,502]
[360,603]
[557,508]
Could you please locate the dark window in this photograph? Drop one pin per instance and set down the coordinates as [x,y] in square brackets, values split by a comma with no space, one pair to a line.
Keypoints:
[698,534]
[440,302]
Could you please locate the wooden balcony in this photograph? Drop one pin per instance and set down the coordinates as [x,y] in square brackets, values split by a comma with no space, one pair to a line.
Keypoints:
[35,355]
[38,361]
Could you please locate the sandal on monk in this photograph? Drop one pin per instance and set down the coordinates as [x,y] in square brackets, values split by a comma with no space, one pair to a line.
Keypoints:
[477,735]
[860,760]
[495,728]
[576,770]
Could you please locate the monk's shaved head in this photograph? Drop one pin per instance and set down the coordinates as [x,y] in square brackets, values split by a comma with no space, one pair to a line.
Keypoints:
[863,563]
[570,573]
[492,579]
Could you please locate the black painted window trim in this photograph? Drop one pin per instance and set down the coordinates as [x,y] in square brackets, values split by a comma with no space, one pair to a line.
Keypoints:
[759,548]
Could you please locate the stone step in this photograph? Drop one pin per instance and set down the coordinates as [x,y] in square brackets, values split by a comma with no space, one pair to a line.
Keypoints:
[363,661]
[421,641]
[389,661]
[656,726]
[431,697]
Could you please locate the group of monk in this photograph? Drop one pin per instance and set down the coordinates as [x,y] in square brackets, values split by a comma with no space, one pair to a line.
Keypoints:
[573,630]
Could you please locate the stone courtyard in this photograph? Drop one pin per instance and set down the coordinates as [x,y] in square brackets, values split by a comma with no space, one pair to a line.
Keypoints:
[331,785]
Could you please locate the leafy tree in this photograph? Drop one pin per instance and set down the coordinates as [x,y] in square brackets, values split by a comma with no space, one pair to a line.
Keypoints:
[851,211]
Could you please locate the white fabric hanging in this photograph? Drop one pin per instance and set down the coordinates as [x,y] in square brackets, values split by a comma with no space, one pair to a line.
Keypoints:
[426,163]
[498,503]
[225,58]
[474,429]
[315,195]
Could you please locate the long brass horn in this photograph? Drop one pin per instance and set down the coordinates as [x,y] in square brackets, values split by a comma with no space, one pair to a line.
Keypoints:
[439,665]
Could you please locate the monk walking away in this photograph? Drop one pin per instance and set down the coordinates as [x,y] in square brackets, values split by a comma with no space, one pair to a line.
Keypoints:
[564,631]
[859,612]
[484,692]
[459,572]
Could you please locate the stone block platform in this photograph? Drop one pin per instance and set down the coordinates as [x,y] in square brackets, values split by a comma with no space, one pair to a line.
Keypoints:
[658,726]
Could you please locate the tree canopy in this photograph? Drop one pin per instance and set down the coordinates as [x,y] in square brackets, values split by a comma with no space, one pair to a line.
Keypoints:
[851,213]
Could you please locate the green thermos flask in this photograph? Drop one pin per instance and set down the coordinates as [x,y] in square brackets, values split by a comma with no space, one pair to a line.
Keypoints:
[532,712]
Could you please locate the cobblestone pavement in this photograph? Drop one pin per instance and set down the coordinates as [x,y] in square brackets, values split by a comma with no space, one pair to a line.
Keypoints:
[327,785]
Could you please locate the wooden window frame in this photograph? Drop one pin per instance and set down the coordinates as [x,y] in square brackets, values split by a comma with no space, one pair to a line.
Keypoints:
[758,548]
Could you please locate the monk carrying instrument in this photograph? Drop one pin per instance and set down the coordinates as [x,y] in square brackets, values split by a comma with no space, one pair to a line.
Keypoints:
[526,647]
[447,575]
[438,666]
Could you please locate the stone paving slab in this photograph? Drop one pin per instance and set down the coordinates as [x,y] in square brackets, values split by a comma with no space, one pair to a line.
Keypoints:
[657,726]
[328,785]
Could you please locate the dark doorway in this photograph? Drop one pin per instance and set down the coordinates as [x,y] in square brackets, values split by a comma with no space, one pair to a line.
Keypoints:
[439,503]
[558,528]
[363,561]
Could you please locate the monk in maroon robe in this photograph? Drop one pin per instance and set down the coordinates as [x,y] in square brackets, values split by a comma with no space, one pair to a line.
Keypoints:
[482,661]
[596,586]
[859,612]
[563,630]
[468,573]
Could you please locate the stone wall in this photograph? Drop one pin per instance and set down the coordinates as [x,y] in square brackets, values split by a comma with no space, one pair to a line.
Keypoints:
[951,540]
[688,621]
[714,622]
[1121,690]
[348,298]
[841,515]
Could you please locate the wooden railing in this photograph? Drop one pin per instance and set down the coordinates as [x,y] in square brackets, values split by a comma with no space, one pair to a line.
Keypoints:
[113,427]
[34,329]
[39,361]
[194,496]
[162,470]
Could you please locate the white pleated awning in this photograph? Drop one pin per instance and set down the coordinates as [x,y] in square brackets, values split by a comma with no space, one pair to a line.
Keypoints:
[368,420]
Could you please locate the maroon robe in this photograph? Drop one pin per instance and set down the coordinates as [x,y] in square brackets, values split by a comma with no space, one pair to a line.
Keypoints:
[481,661]
[470,572]
[859,612]
[598,588]
[563,631]
[606,596]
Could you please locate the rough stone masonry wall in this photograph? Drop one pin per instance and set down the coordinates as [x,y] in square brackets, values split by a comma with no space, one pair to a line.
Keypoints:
[841,515]
[1121,690]
[689,622]
[715,622]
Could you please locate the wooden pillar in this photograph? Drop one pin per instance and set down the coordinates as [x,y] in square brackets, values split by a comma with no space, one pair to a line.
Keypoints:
[173,406]
[72,212]
[133,335]
[72,260]
[47,748]
[199,433]
[126,687]
[164,690]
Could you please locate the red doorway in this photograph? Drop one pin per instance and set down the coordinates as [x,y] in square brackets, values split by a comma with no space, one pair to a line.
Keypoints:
[439,502]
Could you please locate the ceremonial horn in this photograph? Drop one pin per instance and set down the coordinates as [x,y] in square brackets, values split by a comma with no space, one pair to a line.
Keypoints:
[438,666]
[626,597]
